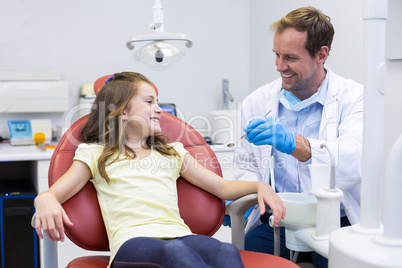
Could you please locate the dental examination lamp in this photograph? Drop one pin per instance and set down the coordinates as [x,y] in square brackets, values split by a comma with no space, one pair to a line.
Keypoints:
[159,54]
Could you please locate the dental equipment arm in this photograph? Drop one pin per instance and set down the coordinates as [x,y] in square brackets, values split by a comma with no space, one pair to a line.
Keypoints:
[332,159]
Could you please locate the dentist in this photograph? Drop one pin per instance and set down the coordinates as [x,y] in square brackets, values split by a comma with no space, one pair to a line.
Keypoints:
[310,105]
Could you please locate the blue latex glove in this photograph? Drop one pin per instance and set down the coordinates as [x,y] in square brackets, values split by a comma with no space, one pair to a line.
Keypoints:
[270,131]
[226,221]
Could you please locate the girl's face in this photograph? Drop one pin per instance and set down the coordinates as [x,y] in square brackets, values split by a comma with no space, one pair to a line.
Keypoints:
[142,114]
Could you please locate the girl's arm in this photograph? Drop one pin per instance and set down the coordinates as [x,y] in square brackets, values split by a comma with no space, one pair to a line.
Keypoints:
[49,213]
[198,175]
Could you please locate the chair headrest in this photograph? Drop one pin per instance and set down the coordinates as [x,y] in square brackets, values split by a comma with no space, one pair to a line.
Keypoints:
[101,81]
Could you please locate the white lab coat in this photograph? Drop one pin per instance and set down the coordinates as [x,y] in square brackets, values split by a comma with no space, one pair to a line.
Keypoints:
[341,129]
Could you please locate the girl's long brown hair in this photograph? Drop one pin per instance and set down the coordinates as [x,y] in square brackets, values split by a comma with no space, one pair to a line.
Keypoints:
[105,125]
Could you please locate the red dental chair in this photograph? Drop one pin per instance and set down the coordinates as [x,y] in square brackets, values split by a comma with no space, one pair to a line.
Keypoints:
[201,211]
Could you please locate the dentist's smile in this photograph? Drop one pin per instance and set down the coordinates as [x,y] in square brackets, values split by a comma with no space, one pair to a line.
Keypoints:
[287,75]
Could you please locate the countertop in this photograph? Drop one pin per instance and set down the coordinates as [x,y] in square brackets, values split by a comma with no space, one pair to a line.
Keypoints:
[32,153]
[23,153]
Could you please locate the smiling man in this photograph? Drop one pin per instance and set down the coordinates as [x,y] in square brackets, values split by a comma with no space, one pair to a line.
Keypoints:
[311,105]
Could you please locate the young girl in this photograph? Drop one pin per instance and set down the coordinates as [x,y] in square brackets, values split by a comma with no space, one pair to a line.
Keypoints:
[134,172]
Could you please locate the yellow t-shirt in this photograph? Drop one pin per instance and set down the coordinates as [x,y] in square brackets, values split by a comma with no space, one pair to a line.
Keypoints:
[141,199]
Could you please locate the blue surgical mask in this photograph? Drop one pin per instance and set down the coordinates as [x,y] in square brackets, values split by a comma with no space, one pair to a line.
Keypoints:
[291,102]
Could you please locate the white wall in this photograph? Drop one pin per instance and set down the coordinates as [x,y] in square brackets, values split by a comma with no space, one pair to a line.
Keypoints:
[86,39]
[232,39]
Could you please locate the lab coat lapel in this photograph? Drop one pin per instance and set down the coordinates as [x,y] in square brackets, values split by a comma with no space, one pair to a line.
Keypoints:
[330,113]
[272,105]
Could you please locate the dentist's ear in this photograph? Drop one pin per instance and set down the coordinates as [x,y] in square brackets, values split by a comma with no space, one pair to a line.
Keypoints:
[323,54]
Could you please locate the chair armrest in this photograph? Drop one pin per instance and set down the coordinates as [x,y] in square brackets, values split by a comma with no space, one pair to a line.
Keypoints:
[33,220]
[50,258]
[237,209]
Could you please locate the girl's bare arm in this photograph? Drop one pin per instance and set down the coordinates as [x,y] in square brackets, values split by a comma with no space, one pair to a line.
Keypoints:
[49,213]
[198,175]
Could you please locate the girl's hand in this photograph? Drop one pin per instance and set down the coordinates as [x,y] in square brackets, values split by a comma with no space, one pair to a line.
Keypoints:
[50,216]
[267,196]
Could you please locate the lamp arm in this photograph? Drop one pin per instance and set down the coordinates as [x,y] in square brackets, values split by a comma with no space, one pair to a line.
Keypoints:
[157,24]
[162,36]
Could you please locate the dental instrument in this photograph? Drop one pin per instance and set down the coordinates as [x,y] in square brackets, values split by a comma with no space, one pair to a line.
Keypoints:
[244,135]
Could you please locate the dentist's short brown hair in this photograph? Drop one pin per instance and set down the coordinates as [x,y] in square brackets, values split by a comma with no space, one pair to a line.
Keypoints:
[320,31]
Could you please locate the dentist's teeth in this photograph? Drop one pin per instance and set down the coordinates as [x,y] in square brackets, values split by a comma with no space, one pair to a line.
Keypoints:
[287,75]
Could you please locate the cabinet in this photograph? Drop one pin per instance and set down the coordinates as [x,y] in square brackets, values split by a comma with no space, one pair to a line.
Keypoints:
[17,238]
[18,162]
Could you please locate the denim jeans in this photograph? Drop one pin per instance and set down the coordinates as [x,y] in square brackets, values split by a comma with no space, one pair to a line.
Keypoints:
[195,251]
[261,239]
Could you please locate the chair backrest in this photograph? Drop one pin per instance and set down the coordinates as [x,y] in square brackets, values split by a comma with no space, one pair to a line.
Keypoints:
[201,211]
